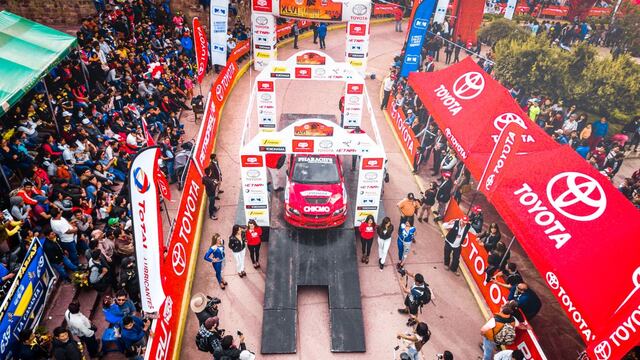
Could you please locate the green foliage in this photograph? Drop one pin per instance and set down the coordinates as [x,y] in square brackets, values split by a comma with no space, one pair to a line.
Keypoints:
[500,29]
[603,86]
[628,19]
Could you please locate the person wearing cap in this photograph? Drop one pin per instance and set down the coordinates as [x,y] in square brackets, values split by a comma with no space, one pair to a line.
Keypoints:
[408,207]
[458,231]
[476,218]
[443,194]
[411,117]
[209,335]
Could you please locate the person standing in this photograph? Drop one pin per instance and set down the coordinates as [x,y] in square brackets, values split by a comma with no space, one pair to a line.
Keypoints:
[448,51]
[64,347]
[501,323]
[66,233]
[458,231]
[443,195]
[210,187]
[599,130]
[385,230]
[406,234]
[397,16]
[238,244]
[458,47]
[314,28]
[387,86]
[427,201]
[215,172]
[254,239]
[322,34]
[274,163]
[416,296]
[217,251]
[295,30]
[80,326]
[408,207]
[367,231]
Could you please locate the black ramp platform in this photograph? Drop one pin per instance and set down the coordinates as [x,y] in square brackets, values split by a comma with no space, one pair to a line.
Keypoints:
[312,258]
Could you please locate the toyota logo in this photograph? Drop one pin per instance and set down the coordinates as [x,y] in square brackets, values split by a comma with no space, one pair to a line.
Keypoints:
[326,144]
[253,173]
[552,280]
[320,72]
[359,9]
[503,120]
[265,97]
[178,259]
[261,20]
[602,350]
[469,85]
[371,176]
[354,99]
[578,196]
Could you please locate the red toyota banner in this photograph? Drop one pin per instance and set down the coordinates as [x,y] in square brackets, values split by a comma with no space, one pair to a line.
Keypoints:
[385,9]
[403,132]
[571,221]
[179,256]
[476,258]
[202,48]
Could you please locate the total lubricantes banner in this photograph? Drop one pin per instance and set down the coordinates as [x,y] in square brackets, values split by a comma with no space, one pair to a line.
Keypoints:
[180,254]
[417,33]
[24,303]
[369,188]
[147,226]
[218,29]
[475,258]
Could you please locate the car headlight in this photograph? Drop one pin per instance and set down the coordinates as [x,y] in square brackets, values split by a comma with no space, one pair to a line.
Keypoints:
[293,211]
[340,211]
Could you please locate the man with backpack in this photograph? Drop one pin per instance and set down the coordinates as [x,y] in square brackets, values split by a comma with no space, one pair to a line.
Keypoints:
[417,295]
[208,338]
[499,330]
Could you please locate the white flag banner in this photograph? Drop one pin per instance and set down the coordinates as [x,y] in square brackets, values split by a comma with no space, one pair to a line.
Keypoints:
[441,11]
[218,29]
[511,9]
[147,227]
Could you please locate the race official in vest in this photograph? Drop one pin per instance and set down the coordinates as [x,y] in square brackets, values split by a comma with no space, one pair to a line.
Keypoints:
[458,231]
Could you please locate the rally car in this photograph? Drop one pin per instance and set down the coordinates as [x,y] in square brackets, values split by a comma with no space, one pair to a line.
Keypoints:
[315,196]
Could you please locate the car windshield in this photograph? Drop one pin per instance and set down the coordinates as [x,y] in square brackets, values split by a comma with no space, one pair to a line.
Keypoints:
[315,170]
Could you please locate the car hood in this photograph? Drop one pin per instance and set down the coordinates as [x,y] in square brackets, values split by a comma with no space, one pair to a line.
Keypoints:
[316,199]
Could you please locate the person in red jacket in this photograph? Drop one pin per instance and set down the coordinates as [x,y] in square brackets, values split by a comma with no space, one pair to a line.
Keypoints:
[367,231]
[254,234]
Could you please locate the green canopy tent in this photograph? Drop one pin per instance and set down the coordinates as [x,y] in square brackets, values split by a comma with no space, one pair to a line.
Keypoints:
[28,51]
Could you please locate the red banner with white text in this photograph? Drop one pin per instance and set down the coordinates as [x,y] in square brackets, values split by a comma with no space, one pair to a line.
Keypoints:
[475,258]
[385,9]
[403,131]
[571,221]
[179,254]
[202,48]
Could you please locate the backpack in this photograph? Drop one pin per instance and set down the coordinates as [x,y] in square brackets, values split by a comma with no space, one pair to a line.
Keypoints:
[507,334]
[421,294]
[209,343]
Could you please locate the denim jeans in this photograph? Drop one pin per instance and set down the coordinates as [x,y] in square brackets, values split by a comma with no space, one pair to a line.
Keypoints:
[70,247]
[488,347]
[217,266]
[60,268]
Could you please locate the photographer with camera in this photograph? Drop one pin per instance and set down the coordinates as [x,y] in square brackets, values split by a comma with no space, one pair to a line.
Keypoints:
[417,295]
[204,306]
[417,339]
[232,352]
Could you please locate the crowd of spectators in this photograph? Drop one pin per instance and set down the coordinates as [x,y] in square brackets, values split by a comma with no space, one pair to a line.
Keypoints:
[65,151]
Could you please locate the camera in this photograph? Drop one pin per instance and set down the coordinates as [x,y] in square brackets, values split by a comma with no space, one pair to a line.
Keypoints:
[239,333]
[402,271]
[213,301]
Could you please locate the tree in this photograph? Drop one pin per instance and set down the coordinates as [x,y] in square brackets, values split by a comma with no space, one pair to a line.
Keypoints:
[628,20]
[500,29]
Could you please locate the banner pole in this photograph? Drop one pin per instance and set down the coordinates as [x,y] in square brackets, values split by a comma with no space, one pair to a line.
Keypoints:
[164,205]
[508,249]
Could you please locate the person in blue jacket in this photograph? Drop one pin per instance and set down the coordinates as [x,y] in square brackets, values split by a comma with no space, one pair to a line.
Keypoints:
[217,251]
[322,34]
[528,301]
[133,331]
[406,233]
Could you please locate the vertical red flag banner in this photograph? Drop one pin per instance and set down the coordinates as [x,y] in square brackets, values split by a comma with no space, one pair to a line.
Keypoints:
[202,48]
[147,134]
[147,226]
[562,211]
[476,258]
